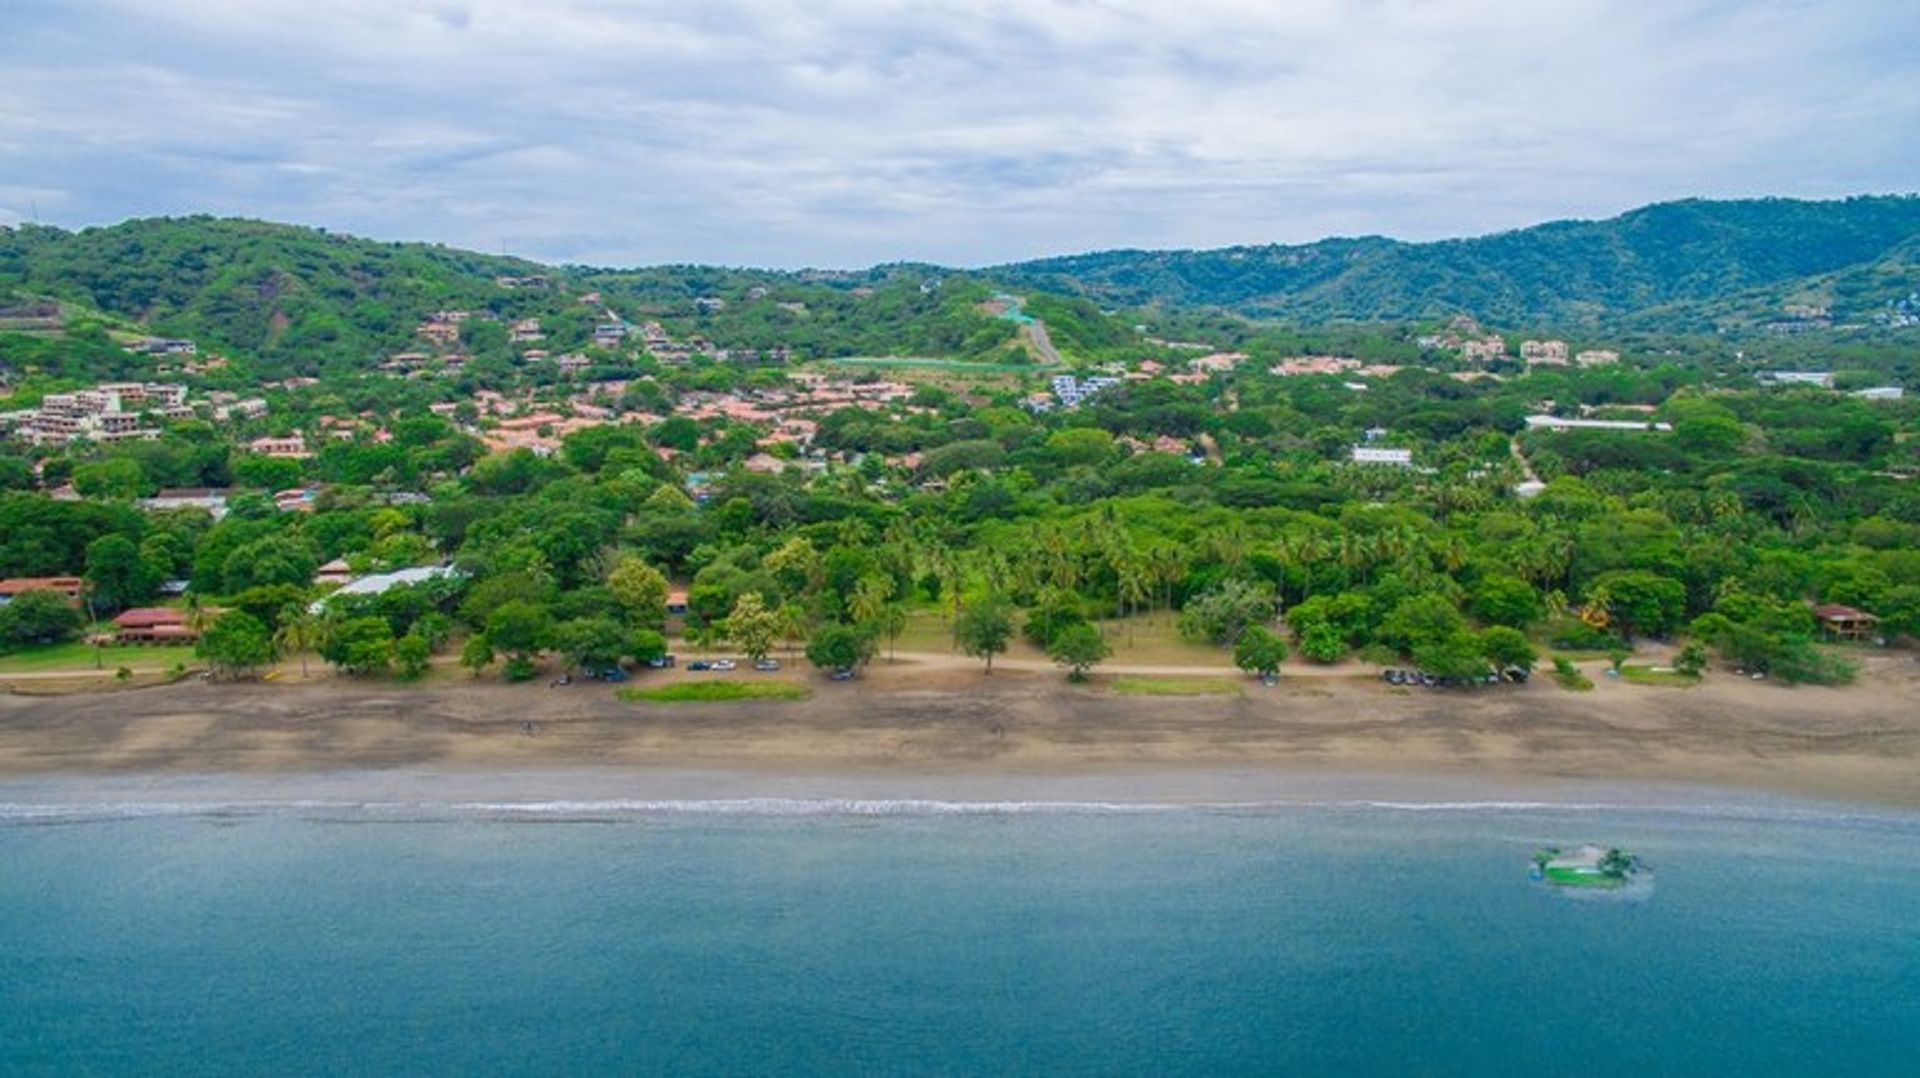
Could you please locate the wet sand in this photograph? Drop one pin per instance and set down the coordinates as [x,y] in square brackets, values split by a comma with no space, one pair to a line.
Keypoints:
[936,732]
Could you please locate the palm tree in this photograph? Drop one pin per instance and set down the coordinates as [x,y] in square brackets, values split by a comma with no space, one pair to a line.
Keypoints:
[197,616]
[1169,567]
[793,626]
[299,632]
[893,622]
[1228,544]
[869,597]
[1133,582]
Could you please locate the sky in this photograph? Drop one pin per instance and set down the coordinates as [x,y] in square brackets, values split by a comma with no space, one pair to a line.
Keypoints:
[843,133]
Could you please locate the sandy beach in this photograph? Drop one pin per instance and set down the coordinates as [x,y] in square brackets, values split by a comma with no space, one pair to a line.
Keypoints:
[941,731]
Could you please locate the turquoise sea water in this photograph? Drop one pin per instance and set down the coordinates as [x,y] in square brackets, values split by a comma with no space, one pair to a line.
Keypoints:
[1355,940]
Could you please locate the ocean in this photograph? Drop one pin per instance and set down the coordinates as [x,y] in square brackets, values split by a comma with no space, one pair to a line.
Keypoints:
[805,937]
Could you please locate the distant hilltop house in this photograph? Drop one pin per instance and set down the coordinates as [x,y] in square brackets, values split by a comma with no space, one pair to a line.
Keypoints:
[1881,393]
[163,346]
[1823,379]
[439,331]
[212,500]
[1597,357]
[1554,422]
[1217,362]
[250,408]
[533,281]
[109,412]
[1368,454]
[1484,349]
[1071,392]
[292,447]
[1544,353]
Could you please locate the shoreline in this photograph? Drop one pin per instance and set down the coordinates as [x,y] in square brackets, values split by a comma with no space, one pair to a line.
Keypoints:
[919,733]
[595,793]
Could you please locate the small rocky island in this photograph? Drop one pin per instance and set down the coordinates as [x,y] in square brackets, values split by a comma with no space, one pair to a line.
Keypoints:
[1604,867]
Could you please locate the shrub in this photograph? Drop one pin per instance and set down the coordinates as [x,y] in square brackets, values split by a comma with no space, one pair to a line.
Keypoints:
[519,668]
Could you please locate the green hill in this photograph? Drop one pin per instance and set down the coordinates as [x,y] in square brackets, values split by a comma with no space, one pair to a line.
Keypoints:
[299,300]
[1685,265]
[294,299]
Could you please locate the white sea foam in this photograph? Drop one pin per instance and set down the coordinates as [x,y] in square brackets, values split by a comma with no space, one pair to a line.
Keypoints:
[620,808]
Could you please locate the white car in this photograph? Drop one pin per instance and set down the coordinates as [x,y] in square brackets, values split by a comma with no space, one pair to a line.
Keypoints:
[767,666]
[723,664]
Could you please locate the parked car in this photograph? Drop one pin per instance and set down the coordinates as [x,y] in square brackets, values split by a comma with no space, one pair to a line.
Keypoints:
[661,662]
[612,673]
[841,673]
[723,664]
[767,666]
[699,664]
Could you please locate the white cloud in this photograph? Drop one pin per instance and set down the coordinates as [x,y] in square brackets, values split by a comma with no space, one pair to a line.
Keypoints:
[850,131]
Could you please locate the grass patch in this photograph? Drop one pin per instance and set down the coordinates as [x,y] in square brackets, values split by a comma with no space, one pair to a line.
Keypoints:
[1647,675]
[79,655]
[83,685]
[1174,686]
[1569,675]
[716,692]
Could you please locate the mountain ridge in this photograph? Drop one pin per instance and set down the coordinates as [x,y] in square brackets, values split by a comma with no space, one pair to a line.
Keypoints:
[1694,265]
[1570,271]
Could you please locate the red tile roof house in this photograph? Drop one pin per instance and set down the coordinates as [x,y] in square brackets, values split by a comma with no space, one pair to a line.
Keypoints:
[66,586]
[153,625]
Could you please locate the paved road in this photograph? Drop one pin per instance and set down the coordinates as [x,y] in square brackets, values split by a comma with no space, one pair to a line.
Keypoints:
[1043,344]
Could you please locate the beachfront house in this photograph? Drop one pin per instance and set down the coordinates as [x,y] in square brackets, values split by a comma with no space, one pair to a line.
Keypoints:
[376,583]
[1841,622]
[153,625]
[67,587]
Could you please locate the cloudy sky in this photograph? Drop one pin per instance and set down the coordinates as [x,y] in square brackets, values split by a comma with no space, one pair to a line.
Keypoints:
[848,132]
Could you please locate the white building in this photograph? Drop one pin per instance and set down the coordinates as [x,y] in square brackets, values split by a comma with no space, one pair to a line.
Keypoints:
[380,582]
[1823,379]
[1072,391]
[1554,422]
[1367,454]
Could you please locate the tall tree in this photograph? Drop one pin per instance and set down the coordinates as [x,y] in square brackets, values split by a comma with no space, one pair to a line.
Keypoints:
[1260,651]
[869,598]
[641,591]
[984,629]
[236,645]
[116,576]
[753,626]
[298,632]
[1078,648]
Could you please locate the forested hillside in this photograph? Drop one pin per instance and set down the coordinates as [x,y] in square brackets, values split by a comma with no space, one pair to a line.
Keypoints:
[298,299]
[1680,265]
